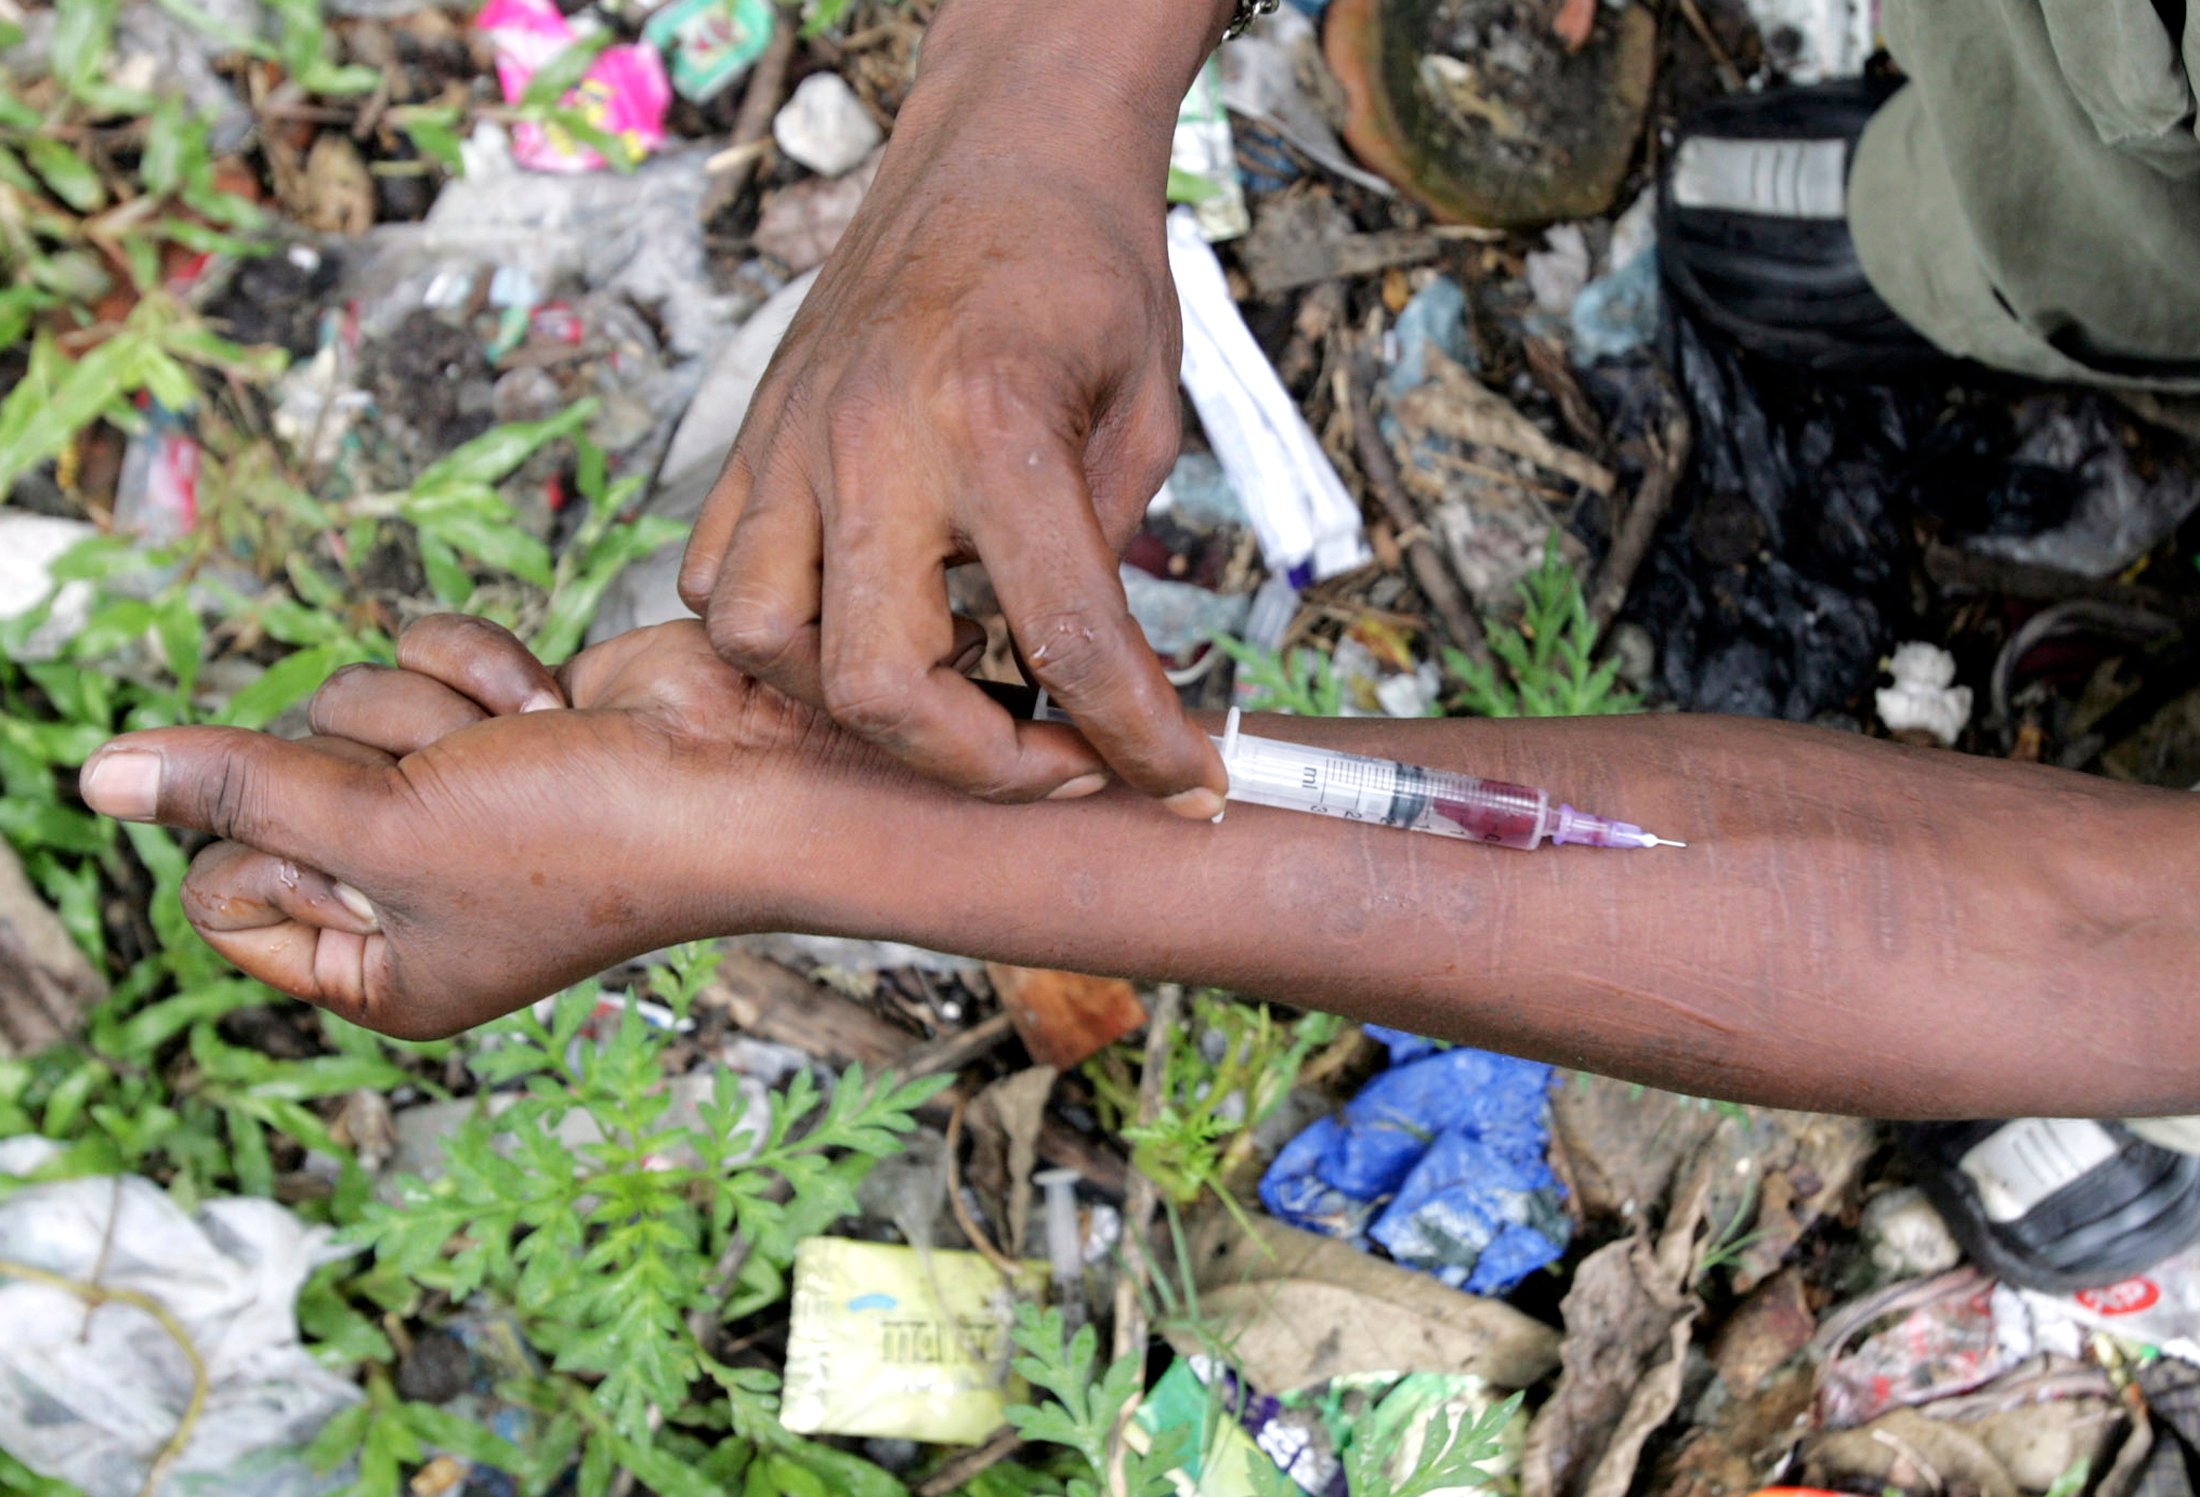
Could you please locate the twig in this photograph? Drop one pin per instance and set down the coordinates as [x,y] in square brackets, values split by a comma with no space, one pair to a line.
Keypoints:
[1005,1443]
[1666,460]
[1431,572]
[1729,74]
[95,1295]
[753,122]
[1141,1198]
[963,1219]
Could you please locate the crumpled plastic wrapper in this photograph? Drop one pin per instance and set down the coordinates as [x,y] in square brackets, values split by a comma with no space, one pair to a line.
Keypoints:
[94,1396]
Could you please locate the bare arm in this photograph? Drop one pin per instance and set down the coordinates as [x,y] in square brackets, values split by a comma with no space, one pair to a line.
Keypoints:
[1854,927]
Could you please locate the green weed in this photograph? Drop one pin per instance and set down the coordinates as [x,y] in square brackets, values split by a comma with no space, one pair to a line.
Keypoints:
[1543,663]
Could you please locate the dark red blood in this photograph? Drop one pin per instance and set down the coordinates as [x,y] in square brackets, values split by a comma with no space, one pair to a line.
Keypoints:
[1488,823]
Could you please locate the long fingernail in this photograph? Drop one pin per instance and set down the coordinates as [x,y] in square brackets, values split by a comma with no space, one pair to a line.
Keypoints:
[358,903]
[124,784]
[1083,785]
[545,700]
[1196,804]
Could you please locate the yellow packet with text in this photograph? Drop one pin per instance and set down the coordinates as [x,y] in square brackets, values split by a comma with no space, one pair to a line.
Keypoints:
[898,1343]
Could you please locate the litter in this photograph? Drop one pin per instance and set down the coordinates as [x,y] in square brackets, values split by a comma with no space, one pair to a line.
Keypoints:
[1309,527]
[1197,494]
[1907,1237]
[1203,150]
[30,544]
[623,93]
[1440,1160]
[157,496]
[97,1394]
[825,127]
[1810,41]
[710,43]
[899,1343]
[1261,73]
[1179,618]
[1924,697]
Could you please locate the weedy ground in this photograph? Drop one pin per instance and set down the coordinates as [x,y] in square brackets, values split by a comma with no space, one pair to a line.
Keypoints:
[618,1269]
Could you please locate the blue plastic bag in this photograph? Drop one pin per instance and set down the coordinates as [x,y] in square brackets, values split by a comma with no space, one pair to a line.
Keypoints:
[1440,1161]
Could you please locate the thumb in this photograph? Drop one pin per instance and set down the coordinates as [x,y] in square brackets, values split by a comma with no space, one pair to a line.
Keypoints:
[269,793]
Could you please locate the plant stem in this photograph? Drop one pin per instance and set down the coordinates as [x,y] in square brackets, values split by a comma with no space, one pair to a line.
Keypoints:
[95,1295]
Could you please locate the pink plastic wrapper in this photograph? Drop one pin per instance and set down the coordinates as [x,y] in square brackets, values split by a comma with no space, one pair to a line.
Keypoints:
[623,93]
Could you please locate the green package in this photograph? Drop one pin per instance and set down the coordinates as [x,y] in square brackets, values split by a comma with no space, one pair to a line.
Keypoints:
[891,1342]
[709,43]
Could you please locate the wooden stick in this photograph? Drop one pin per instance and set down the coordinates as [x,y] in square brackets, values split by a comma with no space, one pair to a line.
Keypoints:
[1667,460]
[1424,558]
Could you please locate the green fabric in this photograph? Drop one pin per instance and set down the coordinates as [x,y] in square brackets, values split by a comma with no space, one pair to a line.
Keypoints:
[2031,198]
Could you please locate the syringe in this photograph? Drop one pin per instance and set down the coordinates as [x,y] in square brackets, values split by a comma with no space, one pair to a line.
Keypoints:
[1385,792]
[1389,792]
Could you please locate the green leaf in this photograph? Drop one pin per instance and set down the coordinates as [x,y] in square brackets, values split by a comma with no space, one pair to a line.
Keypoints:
[71,177]
[491,457]
[82,33]
[556,77]
[284,684]
[503,546]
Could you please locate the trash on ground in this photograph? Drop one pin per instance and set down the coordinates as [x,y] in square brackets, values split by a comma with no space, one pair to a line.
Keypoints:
[1439,1161]
[1262,81]
[1479,111]
[1203,159]
[623,94]
[1924,698]
[1810,41]
[825,127]
[1907,1237]
[1309,527]
[709,43]
[1630,1314]
[1297,1309]
[30,544]
[1064,1018]
[894,1342]
[153,1349]
[801,224]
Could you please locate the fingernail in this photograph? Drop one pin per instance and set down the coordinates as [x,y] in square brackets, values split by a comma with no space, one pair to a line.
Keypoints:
[1083,785]
[1196,804]
[125,785]
[358,903]
[968,660]
[542,701]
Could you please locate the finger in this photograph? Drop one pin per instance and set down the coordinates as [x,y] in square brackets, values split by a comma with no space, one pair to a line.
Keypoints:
[482,660]
[1063,599]
[289,799]
[397,711]
[706,547]
[967,648]
[763,611]
[886,628]
[232,887]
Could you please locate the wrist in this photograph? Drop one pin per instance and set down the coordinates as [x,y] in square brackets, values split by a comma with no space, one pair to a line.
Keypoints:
[1103,81]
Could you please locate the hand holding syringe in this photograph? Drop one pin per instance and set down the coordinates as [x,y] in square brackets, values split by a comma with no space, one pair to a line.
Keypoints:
[1390,792]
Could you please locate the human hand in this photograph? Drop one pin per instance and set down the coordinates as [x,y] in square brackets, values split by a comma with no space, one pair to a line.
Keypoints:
[457,842]
[986,370]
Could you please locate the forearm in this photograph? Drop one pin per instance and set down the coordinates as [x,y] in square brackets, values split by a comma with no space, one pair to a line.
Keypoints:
[1853,927]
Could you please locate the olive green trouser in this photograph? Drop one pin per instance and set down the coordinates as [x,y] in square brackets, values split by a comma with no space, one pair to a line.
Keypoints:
[2031,198]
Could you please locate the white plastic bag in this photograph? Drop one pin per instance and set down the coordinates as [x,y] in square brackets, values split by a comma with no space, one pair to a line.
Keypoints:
[94,1395]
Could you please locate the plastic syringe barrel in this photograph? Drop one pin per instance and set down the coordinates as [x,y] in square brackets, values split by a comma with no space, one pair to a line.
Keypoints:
[1384,792]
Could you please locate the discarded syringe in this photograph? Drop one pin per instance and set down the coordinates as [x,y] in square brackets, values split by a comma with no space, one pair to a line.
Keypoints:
[1385,792]
[1388,792]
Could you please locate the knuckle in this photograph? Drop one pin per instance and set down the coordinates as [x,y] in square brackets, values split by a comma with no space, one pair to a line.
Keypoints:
[872,702]
[1068,648]
[996,400]
[232,801]
[752,633]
